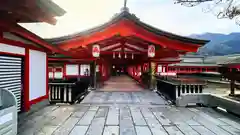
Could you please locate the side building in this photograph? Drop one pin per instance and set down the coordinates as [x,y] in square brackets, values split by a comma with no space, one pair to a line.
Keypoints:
[24,55]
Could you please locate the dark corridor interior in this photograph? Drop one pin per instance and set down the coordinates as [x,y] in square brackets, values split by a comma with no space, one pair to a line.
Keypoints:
[118,70]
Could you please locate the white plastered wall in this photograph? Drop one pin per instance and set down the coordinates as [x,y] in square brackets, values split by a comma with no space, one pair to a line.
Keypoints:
[160,68]
[37,74]
[12,49]
[58,75]
[72,69]
[50,75]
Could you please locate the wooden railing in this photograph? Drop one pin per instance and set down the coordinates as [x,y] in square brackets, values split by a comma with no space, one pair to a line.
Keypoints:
[65,92]
[60,92]
[173,89]
[233,74]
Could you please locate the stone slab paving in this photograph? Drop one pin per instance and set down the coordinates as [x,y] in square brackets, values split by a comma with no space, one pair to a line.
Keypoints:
[142,98]
[151,116]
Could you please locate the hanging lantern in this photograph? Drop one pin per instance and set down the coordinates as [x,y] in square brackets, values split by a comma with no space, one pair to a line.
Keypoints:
[113,55]
[151,51]
[96,51]
[119,55]
[125,56]
[132,56]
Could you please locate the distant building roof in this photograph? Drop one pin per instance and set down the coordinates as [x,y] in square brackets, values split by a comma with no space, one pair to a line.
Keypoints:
[225,59]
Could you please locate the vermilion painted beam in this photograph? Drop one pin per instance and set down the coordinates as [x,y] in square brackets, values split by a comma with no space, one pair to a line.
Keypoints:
[115,43]
[110,41]
[81,55]
[113,48]
[138,44]
[112,30]
[117,52]
[133,40]
[129,47]
[118,39]
[81,51]
[71,60]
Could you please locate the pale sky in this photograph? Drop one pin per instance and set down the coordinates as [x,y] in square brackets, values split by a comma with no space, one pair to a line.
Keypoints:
[163,14]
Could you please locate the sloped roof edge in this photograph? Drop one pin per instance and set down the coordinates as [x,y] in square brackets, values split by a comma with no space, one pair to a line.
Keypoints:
[126,15]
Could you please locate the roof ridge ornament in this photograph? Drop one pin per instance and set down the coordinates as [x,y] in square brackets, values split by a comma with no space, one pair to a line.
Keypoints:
[125,8]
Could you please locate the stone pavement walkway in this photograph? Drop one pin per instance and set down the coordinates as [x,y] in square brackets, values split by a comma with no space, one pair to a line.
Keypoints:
[127,113]
[145,97]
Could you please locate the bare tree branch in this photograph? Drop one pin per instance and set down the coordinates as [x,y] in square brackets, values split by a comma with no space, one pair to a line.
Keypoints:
[221,8]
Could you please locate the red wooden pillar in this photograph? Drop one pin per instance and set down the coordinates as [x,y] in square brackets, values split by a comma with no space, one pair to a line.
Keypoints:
[26,81]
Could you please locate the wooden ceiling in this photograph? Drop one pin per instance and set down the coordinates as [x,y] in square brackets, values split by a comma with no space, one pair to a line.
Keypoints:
[124,50]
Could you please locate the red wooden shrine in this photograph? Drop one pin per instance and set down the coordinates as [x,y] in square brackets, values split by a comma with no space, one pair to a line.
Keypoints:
[124,42]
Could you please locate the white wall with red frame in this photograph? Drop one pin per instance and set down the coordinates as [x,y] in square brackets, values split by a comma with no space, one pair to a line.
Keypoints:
[72,70]
[35,80]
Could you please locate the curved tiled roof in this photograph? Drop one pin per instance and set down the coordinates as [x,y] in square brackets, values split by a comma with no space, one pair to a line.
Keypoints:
[132,17]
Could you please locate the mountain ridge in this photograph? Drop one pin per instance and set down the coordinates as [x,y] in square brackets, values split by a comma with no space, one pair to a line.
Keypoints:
[220,44]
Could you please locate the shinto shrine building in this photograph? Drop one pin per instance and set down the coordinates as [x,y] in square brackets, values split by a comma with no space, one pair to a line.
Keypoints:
[124,44]
[121,77]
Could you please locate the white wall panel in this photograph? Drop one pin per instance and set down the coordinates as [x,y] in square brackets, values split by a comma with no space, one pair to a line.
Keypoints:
[12,49]
[72,69]
[58,75]
[37,74]
[159,68]
[50,75]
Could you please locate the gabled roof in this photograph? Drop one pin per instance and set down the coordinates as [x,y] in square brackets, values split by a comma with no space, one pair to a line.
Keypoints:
[132,17]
